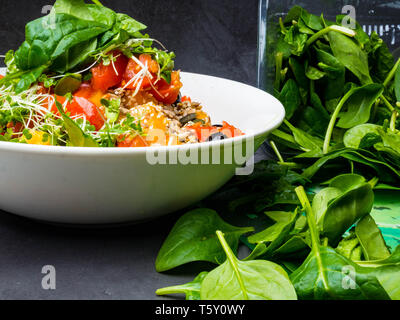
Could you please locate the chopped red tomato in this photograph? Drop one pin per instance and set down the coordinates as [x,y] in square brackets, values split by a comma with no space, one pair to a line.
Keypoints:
[52,105]
[161,90]
[106,77]
[88,92]
[84,91]
[129,141]
[203,133]
[82,106]
[185,98]
[134,68]
[168,92]
[230,131]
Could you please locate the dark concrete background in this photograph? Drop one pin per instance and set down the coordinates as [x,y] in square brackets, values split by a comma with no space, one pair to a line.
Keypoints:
[216,37]
[208,36]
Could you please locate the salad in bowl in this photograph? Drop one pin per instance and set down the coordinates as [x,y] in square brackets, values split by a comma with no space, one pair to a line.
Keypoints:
[105,128]
[86,76]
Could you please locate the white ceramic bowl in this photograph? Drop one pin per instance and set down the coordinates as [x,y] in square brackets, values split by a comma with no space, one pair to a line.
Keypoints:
[103,186]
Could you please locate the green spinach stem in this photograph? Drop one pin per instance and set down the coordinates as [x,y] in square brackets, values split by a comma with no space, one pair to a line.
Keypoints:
[301,194]
[97,2]
[387,103]
[332,122]
[393,120]
[278,75]
[233,262]
[170,290]
[373,182]
[281,24]
[391,74]
[319,34]
[278,154]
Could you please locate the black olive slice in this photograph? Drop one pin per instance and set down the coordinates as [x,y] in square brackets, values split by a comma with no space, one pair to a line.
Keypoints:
[217,137]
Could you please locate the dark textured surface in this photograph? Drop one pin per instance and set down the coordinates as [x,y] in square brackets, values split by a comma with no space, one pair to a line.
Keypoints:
[211,37]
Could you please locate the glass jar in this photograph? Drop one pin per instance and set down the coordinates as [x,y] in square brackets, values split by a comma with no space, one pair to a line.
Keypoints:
[381,16]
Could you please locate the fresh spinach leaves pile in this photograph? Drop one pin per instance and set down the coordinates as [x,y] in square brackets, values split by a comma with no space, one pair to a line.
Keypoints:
[74,35]
[330,248]
[341,92]
[340,89]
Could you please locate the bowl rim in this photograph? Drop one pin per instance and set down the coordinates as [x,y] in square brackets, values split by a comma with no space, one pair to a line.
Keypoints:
[66,150]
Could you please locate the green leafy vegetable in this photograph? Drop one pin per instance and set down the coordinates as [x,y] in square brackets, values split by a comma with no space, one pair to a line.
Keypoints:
[68,37]
[324,274]
[347,199]
[191,289]
[370,237]
[112,109]
[246,280]
[350,247]
[77,138]
[193,239]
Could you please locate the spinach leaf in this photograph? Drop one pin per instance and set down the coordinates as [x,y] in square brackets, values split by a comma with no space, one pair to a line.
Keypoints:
[387,272]
[290,97]
[347,199]
[388,282]
[74,56]
[397,83]
[354,136]
[294,14]
[27,78]
[358,106]
[381,60]
[103,14]
[386,172]
[334,82]
[296,247]
[372,243]
[77,138]
[191,289]
[76,8]
[350,247]
[392,261]
[296,40]
[312,146]
[273,237]
[193,239]
[130,25]
[370,135]
[43,44]
[313,73]
[350,55]
[246,280]
[300,76]
[311,20]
